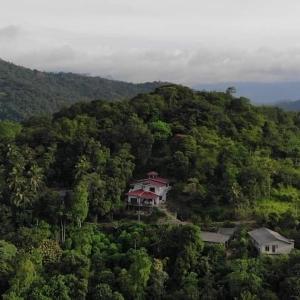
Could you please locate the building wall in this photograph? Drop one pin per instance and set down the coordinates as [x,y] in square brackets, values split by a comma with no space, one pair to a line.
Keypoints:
[280,248]
[160,191]
[136,201]
[133,200]
[157,189]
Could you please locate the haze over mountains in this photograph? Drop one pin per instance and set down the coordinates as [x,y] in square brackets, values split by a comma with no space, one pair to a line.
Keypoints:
[25,92]
[276,93]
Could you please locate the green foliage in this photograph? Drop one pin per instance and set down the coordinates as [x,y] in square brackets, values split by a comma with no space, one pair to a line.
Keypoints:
[22,280]
[138,273]
[244,278]
[25,92]
[161,130]
[7,253]
[79,202]
[63,180]
[9,130]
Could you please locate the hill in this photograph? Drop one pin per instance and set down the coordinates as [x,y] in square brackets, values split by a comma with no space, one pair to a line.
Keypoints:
[25,92]
[217,148]
[67,235]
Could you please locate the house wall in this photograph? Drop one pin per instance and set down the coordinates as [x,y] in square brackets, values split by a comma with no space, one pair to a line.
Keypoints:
[160,191]
[133,200]
[136,201]
[280,248]
[138,186]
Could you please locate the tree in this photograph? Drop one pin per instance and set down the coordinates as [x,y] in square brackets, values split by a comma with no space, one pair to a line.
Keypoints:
[53,288]
[25,275]
[9,130]
[102,291]
[134,281]
[157,281]
[231,90]
[7,253]
[161,130]
[245,276]
[75,267]
[79,204]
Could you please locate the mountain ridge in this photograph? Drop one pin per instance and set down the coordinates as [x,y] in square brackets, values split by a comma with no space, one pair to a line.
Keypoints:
[25,92]
[292,105]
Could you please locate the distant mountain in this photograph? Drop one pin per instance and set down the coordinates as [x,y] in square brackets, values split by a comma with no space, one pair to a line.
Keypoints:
[25,92]
[260,92]
[289,105]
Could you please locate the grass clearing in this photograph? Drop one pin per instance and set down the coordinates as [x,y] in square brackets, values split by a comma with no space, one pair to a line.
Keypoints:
[267,206]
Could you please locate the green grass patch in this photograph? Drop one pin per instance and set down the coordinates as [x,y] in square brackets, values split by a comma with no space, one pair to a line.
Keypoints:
[267,206]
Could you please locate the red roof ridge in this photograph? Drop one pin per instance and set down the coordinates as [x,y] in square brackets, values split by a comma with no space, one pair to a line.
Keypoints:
[157,179]
[142,193]
[152,173]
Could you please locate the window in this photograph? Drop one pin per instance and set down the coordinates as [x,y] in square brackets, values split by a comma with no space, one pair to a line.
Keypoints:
[152,189]
[133,200]
[160,197]
[274,248]
[267,248]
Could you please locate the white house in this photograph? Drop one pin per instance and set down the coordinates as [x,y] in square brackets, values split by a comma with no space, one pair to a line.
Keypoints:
[267,241]
[151,191]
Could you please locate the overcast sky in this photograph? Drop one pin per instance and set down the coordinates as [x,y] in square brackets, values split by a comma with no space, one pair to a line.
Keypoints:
[183,41]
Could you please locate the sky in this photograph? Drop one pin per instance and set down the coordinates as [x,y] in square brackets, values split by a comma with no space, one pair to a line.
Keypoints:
[184,41]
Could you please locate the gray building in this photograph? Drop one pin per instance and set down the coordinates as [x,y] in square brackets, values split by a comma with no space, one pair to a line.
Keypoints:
[214,238]
[230,231]
[267,241]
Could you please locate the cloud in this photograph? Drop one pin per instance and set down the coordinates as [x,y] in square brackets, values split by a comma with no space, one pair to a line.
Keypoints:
[181,65]
[186,42]
[9,32]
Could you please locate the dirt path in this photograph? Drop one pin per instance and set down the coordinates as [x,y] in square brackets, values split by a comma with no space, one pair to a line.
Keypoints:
[170,217]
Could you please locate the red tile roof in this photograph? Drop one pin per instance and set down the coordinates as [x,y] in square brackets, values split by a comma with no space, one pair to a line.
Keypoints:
[142,194]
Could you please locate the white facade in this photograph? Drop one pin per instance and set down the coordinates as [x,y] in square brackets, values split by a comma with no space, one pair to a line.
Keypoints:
[148,192]
[277,247]
[270,242]
[161,191]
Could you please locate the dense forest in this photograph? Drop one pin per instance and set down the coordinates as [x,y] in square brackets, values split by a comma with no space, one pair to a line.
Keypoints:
[66,233]
[25,92]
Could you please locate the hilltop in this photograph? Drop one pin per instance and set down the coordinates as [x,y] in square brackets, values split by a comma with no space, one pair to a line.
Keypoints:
[226,157]
[25,92]
[65,229]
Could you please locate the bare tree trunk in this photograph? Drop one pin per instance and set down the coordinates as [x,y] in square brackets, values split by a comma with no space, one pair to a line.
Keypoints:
[62,230]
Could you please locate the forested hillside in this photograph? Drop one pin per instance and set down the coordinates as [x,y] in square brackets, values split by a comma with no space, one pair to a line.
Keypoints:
[25,92]
[64,228]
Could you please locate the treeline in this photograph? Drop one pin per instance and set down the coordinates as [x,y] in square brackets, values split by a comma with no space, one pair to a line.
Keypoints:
[224,158]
